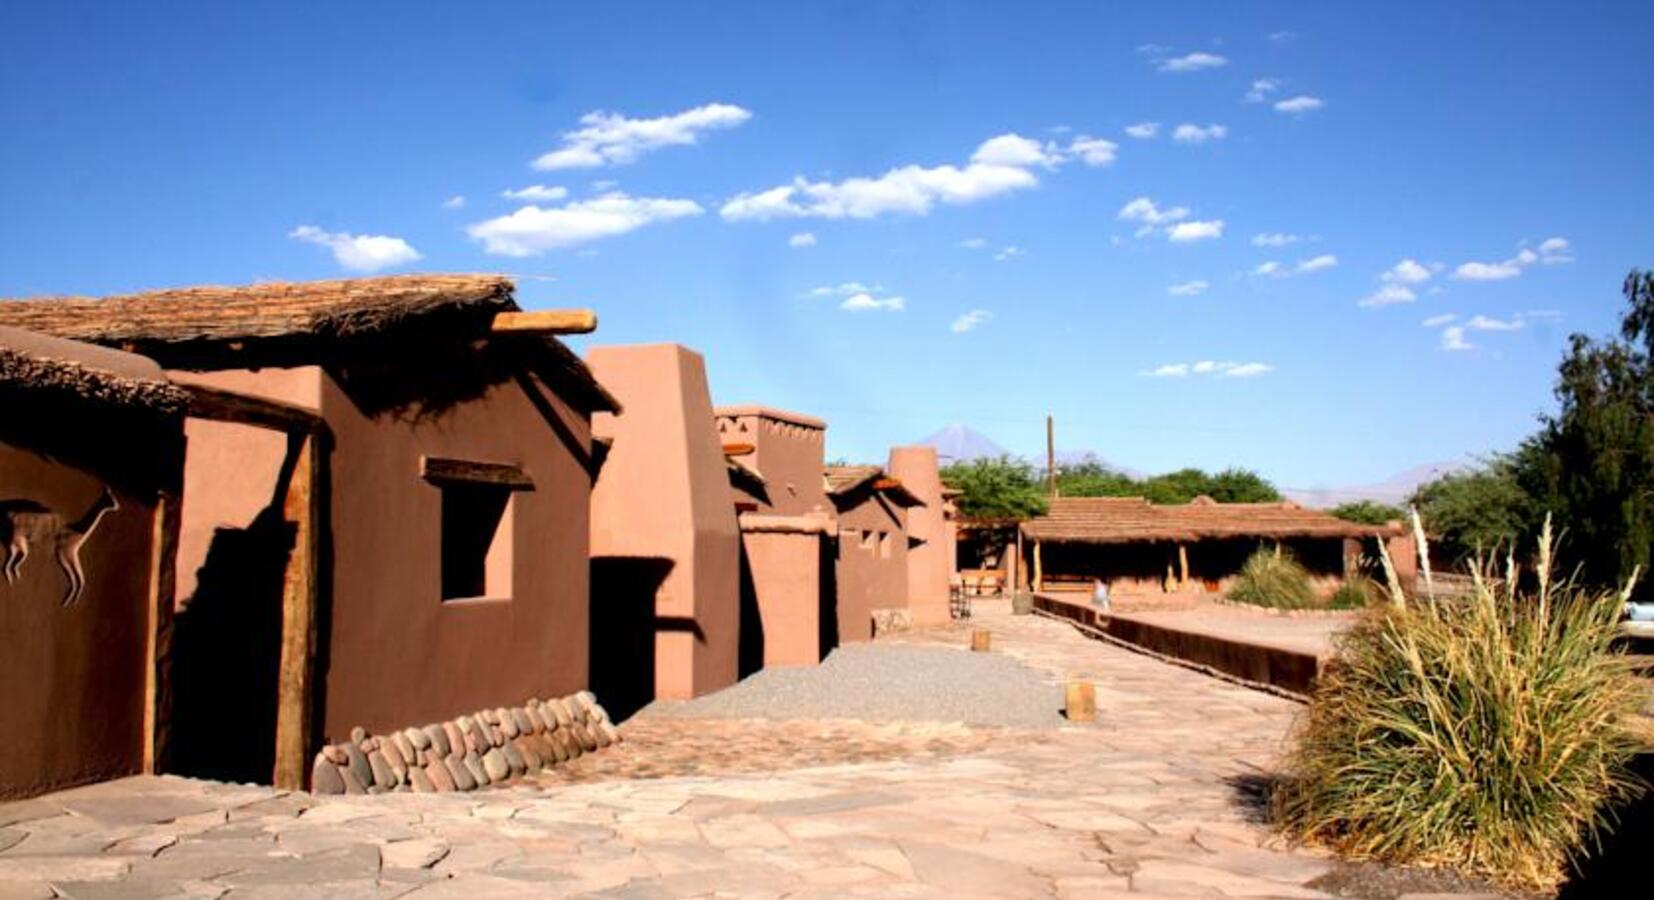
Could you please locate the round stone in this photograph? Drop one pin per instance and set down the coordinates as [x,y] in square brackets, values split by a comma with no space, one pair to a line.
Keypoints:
[325,777]
[599,714]
[508,725]
[421,782]
[598,734]
[335,754]
[437,736]
[456,739]
[405,748]
[440,777]
[523,720]
[463,779]
[383,775]
[358,735]
[496,765]
[561,712]
[353,785]
[527,753]
[513,760]
[565,739]
[586,699]
[583,734]
[393,756]
[473,764]
[419,739]
[490,716]
[359,765]
[609,731]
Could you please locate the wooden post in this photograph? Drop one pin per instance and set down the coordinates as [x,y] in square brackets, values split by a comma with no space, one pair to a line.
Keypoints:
[163,585]
[1080,701]
[1182,567]
[298,617]
[981,640]
[1050,457]
[1021,582]
[1039,569]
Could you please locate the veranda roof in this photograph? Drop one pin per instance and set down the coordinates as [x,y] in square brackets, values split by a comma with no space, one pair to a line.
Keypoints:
[1121,520]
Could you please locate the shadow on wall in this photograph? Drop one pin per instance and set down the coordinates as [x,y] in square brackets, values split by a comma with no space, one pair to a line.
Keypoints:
[750,656]
[827,596]
[622,642]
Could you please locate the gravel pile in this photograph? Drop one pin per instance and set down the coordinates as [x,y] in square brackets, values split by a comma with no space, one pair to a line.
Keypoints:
[885,683]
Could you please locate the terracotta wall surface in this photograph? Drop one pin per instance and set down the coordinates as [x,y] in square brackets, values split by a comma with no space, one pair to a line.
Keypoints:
[399,653]
[790,453]
[930,552]
[72,678]
[784,569]
[872,562]
[663,495]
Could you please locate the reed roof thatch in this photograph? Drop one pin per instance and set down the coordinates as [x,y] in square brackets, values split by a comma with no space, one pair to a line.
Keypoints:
[1122,520]
[843,481]
[82,376]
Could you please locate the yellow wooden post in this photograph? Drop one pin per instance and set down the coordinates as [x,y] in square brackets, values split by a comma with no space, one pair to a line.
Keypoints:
[1080,701]
[1039,569]
[163,561]
[1182,567]
[298,618]
[981,640]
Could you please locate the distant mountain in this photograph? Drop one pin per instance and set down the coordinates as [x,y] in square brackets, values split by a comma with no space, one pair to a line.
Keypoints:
[1393,490]
[961,443]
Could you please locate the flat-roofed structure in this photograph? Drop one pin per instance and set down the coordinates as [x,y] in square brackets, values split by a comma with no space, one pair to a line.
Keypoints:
[872,564]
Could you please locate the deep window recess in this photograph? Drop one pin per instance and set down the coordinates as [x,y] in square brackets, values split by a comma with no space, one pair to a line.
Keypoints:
[477,503]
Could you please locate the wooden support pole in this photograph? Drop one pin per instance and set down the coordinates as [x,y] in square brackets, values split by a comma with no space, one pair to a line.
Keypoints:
[546,321]
[1050,456]
[163,584]
[1182,567]
[1080,701]
[1039,569]
[981,640]
[298,616]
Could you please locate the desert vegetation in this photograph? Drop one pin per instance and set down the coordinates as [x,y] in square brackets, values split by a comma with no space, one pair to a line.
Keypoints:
[1274,578]
[1488,732]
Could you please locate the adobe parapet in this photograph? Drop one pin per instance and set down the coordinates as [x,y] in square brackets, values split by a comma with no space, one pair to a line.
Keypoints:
[772,414]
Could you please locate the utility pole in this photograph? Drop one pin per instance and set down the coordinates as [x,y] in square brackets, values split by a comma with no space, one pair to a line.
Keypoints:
[1050,457]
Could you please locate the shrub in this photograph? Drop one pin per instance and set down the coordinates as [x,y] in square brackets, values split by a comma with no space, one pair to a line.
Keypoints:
[1274,578]
[1487,732]
[1356,592]
[1367,512]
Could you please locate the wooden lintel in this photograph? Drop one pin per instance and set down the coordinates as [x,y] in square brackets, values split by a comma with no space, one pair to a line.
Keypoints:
[439,469]
[886,484]
[740,449]
[221,405]
[546,321]
[302,507]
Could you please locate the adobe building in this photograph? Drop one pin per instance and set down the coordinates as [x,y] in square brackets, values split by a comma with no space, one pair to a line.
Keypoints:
[872,565]
[1138,547]
[930,534]
[388,524]
[91,443]
[665,547]
[788,570]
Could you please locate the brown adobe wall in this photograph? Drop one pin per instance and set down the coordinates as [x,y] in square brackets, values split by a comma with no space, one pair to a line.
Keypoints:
[872,565]
[790,453]
[930,551]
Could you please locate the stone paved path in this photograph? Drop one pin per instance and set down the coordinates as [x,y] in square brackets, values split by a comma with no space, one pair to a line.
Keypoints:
[1149,801]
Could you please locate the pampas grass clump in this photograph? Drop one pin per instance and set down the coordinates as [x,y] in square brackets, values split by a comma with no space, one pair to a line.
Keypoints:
[1275,579]
[1485,732]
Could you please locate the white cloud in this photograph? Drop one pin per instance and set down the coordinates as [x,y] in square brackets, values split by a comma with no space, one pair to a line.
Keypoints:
[844,290]
[1210,367]
[1480,271]
[1189,232]
[1144,210]
[1143,130]
[969,321]
[1153,49]
[604,185]
[802,239]
[606,138]
[454,202]
[1270,268]
[1439,321]
[1281,37]
[1188,288]
[537,193]
[1389,295]
[974,243]
[1274,239]
[1093,151]
[867,302]
[1300,104]
[533,229]
[1318,263]
[912,189]
[1453,339]
[1555,250]
[1408,271]
[1192,62]
[1010,252]
[1261,89]
[359,252]
[1194,134]
[1485,323]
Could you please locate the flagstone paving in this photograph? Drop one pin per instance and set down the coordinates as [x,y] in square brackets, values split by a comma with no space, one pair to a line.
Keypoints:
[1151,800]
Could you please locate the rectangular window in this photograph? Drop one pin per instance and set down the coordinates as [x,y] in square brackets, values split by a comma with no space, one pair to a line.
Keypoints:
[868,540]
[884,545]
[477,502]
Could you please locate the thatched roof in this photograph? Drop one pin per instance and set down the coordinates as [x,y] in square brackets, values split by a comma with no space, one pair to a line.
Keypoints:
[299,323]
[84,375]
[1121,520]
[843,481]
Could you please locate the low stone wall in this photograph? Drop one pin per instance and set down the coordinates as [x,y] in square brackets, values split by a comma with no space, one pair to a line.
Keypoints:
[467,753]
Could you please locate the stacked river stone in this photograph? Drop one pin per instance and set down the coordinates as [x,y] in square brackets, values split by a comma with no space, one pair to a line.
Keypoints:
[470,752]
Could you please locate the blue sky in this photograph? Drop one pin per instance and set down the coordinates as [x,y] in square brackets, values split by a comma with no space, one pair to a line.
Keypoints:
[1484,161]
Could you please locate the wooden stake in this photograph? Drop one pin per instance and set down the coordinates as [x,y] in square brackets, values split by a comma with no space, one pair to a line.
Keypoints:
[1039,569]
[1183,567]
[298,618]
[163,585]
[1050,457]
[1080,701]
[546,321]
[981,640]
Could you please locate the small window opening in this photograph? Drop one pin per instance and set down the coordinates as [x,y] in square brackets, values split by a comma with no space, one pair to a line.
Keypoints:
[476,541]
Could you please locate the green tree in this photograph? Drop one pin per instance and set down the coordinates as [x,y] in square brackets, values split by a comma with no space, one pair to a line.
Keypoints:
[1475,511]
[1368,512]
[999,488]
[1241,486]
[1093,479]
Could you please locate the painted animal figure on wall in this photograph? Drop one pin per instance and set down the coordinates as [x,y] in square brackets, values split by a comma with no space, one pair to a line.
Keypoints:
[25,523]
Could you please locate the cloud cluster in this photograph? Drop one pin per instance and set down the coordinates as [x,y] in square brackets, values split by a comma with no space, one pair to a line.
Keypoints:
[1191,62]
[970,321]
[536,193]
[532,230]
[1000,165]
[1551,251]
[1210,367]
[1454,335]
[1188,288]
[858,297]
[1261,89]
[1143,130]
[1194,134]
[1274,239]
[610,139]
[1276,269]
[1397,284]
[1171,221]
[801,239]
[359,252]
[1303,103]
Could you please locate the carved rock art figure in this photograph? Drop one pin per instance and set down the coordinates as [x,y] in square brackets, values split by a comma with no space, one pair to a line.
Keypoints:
[25,522]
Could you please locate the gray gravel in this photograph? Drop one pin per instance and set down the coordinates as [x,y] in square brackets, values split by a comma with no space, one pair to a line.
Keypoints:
[886,683]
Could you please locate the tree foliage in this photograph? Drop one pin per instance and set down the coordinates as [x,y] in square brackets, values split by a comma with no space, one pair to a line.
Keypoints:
[1368,512]
[997,488]
[1473,512]
[1092,479]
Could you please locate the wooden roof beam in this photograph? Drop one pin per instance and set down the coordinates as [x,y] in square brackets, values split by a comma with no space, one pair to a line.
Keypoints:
[546,321]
